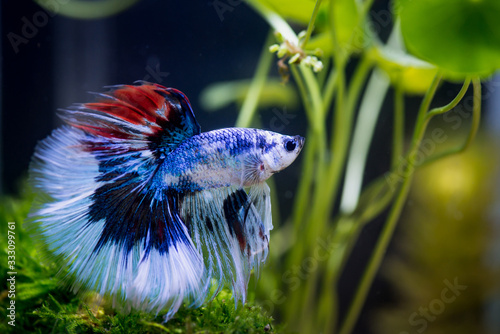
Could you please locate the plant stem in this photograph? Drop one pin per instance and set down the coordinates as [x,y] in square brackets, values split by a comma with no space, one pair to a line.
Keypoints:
[330,304]
[329,90]
[394,214]
[342,120]
[345,234]
[310,27]
[337,52]
[322,75]
[379,203]
[399,124]
[357,83]
[316,100]
[311,97]
[306,99]
[365,126]
[303,198]
[376,259]
[476,117]
[476,111]
[422,117]
[327,186]
[323,195]
[323,202]
[250,103]
[454,102]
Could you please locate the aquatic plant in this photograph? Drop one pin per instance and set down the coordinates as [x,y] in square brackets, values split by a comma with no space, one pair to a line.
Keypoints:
[444,278]
[87,9]
[455,42]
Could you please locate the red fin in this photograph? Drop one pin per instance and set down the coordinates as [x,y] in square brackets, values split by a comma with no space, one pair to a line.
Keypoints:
[134,104]
[136,112]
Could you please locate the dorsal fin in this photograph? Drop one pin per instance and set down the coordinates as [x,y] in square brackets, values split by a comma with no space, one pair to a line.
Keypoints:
[157,116]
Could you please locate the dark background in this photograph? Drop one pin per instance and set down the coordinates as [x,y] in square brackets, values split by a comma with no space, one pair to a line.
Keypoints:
[176,44]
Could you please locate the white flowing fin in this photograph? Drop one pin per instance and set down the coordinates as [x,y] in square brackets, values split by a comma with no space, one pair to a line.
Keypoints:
[260,195]
[229,230]
[112,232]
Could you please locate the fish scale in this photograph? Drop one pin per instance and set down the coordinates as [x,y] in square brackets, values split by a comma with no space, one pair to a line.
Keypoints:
[214,159]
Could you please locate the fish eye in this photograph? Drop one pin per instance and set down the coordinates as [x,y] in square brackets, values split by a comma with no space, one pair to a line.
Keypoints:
[290,145]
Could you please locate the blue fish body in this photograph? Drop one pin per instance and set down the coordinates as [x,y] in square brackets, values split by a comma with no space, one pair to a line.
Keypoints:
[226,157]
[136,203]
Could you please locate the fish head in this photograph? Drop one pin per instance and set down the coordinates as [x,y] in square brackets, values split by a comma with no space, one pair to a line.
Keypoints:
[280,152]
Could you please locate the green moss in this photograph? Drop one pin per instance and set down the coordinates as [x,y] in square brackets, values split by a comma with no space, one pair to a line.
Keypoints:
[43,305]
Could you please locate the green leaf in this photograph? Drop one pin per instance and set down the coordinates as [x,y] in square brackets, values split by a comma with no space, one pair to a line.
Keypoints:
[322,41]
[296,10]
[460,36]
[413,74]
[345,18]
[89,10]
[221,94]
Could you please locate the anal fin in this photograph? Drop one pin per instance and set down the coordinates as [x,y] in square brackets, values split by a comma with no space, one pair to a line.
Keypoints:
[228,229]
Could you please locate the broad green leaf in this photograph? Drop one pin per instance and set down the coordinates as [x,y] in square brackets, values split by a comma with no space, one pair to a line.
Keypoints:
[322,41]
[345,18]
[220,95]
[460,36]
[88,10]
[414,74]
[296,10]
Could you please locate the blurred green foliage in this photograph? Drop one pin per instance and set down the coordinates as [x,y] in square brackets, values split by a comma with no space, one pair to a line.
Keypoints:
[460,36]
[343,71]
[89,10]
[446,236]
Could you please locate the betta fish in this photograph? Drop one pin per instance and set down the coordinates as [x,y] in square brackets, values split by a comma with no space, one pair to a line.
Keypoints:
[136,203]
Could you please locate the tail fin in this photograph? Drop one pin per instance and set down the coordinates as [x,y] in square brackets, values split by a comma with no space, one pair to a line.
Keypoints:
[98,208]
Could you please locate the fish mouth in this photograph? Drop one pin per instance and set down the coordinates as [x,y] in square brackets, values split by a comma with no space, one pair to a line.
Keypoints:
[300,141]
